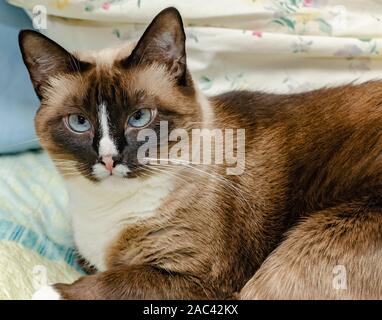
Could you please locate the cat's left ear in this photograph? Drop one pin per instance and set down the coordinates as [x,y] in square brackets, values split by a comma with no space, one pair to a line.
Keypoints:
[44,59]
[163,43]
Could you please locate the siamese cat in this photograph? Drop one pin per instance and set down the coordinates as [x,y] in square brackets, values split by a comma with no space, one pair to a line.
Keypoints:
[305,212]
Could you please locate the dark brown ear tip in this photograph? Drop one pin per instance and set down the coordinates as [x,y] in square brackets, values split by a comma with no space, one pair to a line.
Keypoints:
[26,32]
[23,34]
[171,11]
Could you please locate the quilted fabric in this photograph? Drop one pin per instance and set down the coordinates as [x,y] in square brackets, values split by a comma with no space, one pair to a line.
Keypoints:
[35,232]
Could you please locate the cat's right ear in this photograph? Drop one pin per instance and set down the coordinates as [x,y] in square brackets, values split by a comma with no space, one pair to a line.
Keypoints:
[45,58]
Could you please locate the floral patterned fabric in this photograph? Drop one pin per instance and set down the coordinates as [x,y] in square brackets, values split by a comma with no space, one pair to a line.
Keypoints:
[272,45]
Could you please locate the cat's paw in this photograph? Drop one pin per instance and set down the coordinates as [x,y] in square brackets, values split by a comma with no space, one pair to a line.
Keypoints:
[46,293]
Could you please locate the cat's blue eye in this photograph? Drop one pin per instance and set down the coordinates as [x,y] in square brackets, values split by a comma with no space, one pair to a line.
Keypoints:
[78,123]
[140,118]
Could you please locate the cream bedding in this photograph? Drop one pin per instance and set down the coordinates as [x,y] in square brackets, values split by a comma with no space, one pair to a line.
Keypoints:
[283,46]
[279,45]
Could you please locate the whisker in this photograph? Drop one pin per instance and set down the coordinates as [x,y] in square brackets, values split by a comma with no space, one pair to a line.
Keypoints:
[215,175]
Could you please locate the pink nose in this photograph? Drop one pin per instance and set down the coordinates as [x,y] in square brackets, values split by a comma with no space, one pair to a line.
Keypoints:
[108,162]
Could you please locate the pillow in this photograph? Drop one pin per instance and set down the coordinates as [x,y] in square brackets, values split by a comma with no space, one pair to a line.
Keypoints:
[18,102]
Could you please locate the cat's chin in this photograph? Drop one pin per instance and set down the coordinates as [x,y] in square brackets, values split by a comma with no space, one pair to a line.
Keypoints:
[109,177]
[112,179]
[119,172]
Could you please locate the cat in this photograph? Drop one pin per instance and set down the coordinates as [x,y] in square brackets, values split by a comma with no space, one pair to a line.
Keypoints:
[302,221]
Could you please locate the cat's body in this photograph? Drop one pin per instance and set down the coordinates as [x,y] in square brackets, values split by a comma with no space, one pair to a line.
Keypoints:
[307,205]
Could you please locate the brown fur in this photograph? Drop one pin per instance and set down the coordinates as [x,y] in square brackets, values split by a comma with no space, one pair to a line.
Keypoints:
[309,199]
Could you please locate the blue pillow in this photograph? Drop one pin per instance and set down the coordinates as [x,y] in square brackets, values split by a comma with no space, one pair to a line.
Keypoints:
[18,101]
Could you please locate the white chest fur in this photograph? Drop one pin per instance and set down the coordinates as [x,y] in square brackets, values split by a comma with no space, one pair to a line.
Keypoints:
[101,210]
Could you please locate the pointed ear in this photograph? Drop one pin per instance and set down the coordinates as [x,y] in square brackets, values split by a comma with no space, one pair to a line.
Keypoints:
[163,42]
[45,58]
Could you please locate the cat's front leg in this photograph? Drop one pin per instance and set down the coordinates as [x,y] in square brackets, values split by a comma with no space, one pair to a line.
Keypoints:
[129,282]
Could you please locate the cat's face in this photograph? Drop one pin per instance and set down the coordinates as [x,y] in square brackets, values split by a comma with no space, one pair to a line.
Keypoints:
[93,106]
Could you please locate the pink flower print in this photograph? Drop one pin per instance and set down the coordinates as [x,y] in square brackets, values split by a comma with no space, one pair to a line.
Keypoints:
[257,34]
[307,3]
[106,6]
